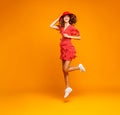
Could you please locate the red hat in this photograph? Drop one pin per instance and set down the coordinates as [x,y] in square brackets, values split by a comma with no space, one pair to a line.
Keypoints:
[65,13]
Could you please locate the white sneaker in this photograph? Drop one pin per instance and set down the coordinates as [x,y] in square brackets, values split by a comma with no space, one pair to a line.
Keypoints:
[68,90]
[82,69]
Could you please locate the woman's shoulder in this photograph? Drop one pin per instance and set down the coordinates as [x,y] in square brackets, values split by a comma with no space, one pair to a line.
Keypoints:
[72,27]
[74,30]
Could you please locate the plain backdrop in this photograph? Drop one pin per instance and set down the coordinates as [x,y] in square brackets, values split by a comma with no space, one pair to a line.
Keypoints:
[29,48]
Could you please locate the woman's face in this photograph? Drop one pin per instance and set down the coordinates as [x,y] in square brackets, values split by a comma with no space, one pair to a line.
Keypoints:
[66,18]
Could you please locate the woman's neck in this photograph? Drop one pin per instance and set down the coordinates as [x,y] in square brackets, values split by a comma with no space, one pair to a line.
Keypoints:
[66,24]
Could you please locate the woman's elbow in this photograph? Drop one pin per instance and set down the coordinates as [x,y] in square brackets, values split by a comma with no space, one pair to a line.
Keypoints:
[51,26]
[79,38]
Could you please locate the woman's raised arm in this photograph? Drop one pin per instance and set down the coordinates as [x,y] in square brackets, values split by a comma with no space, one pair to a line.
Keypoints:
[52,25]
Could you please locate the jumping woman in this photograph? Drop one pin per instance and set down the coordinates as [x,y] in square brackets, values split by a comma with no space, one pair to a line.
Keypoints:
[68,31]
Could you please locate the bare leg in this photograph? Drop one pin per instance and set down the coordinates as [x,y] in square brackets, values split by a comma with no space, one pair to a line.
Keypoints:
[68,68]
[66,76]
[68,90]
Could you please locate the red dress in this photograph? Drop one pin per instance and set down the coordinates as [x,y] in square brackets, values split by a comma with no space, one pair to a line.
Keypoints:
[67,50]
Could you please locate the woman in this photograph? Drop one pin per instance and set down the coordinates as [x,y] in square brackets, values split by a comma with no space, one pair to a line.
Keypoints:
[68,32]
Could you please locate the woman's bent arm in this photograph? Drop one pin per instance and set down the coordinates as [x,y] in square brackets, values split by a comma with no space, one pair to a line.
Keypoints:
[52,25]
[72,37]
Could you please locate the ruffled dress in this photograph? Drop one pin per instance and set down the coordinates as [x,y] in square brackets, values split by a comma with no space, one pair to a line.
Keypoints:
[67,50]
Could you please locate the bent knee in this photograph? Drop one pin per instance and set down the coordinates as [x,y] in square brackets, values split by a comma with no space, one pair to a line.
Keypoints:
[65,69]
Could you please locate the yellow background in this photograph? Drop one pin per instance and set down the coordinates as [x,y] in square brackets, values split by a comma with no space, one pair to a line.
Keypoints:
[29,48]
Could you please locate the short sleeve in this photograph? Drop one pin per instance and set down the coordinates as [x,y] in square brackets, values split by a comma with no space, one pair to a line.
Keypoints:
[75,32]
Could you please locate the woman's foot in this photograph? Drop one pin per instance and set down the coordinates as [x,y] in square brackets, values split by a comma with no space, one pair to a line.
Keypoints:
[82,69]
[68,90]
